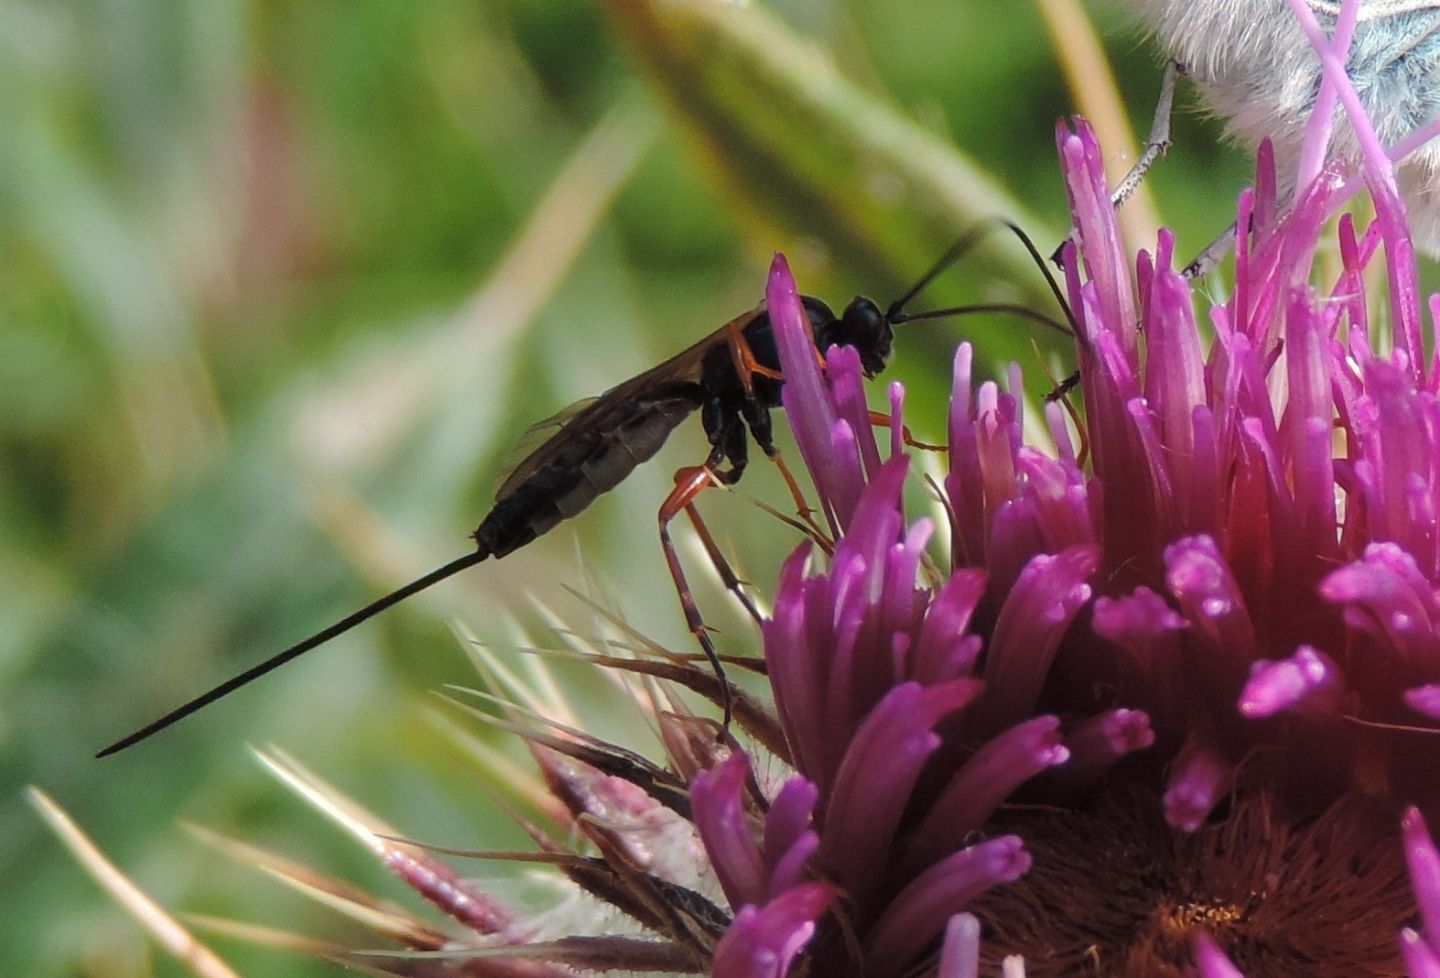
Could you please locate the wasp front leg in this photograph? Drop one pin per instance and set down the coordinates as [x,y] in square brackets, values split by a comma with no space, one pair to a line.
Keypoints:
[757,418]
[879,419]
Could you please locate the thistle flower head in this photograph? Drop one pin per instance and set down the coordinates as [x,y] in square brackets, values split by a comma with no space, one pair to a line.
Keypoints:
[1210,627]
[1169,698]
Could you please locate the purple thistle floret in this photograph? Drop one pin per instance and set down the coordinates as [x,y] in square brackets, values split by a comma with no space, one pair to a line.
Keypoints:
[1225,581]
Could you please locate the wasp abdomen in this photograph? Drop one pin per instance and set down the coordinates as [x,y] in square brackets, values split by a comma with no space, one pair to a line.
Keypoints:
[586,460]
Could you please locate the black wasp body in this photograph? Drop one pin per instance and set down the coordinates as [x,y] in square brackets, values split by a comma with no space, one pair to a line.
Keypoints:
[603,442]
[731,377]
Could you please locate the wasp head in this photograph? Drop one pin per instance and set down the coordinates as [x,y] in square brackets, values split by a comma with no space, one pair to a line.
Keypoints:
[867,329]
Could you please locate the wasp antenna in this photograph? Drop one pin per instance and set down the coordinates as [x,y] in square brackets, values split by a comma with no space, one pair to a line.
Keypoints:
[1011,308]
[295,651]
[896,314]
[1040,263]
[967,241]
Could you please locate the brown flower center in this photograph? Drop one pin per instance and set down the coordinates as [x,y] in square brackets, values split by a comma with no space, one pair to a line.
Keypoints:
[1114,892]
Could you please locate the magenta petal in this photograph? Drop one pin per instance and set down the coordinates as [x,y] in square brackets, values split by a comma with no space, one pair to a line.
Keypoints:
[915,917]
[960,950]
[944,650]
[897,418]
[963,486]
[717,800]
[1210,598]
[986,780]
[1050,591]
[1200,780]
[1096,233]
[1210,961]
[879,771]
[1174,381]
[1309,428]
[1149,630]
[762,942]
[1424,699]
[789,841]
[834,467]
[1421,961]
[1424,863]
[1308,681]
[1095,744]
[877,521]
[1136,619]
[847,392]
[796,666]
[1398,445]
[1057,500]
[1392,596]
[842,479]
[747,875]
[998,440]
[811,416]
[789,816]
[793,866]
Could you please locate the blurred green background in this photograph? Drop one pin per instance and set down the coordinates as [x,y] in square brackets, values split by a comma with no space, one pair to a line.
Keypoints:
[280,285]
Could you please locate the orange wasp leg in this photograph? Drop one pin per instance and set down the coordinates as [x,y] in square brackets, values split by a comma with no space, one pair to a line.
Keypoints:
[802,507]
[728,577]
[689,483]
[882,420]
[746,366]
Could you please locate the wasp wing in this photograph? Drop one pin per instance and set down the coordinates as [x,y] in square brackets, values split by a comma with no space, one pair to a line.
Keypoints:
[517,461]
[605,412]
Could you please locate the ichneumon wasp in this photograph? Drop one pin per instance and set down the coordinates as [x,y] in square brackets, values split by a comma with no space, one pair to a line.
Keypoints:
[732,377]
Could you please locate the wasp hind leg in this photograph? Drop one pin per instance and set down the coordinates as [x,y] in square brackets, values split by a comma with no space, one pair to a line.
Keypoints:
[728,577]
[727,438]
[689,483]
